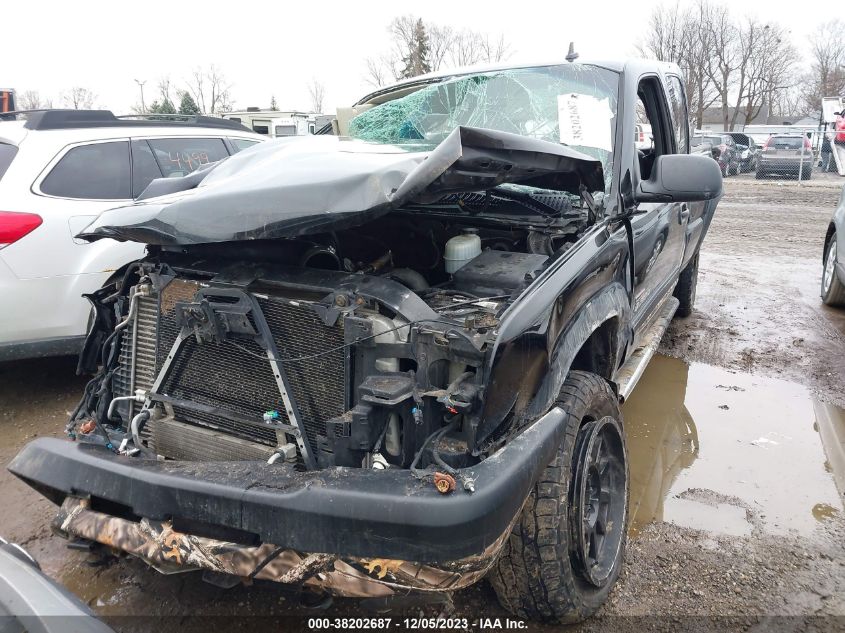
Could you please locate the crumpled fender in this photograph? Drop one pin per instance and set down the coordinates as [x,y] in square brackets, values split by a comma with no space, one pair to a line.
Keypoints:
[610,303]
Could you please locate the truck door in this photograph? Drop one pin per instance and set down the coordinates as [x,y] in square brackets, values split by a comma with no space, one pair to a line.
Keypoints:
[659,229]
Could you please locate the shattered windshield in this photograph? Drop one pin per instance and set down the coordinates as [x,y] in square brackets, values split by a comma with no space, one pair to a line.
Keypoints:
[572,104]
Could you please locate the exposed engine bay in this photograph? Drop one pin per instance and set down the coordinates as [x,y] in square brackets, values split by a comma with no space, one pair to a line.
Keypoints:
[362,347]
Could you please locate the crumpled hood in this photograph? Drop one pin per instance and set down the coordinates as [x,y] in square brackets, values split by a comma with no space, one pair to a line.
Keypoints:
[316,183]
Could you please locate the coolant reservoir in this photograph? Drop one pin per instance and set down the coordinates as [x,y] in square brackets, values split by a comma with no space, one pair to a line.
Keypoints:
[461,249]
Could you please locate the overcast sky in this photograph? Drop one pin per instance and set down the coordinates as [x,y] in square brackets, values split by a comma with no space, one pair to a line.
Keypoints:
[274,48]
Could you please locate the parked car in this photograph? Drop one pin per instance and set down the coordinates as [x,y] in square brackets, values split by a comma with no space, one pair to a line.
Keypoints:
[833,258]
[643,138]
[700,145]
[725,153]
[748,151]
[786,154]
[409,344]
[31,601]
[58,170]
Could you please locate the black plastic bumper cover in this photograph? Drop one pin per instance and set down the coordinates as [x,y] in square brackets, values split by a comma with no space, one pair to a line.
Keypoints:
[344,511]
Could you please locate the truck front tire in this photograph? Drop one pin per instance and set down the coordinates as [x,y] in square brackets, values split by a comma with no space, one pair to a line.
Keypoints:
[565,551]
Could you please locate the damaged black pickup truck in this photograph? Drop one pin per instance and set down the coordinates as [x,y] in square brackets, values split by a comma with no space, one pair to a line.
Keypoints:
[389,359]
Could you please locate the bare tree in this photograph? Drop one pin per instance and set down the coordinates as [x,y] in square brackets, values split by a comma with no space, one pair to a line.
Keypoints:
[676,36]
[402,31]
[665,38]
[827,75]
[446,46]
[210,90]
[700,88]
[31,100]
[440,40]
[721,35]
[378,71]
[164,88]
[790,100]
[466,49]
[79,98]
[495,49]
[769,69]
[743,66]
[317,91]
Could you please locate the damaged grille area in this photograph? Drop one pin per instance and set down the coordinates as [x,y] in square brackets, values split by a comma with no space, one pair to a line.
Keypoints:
[222,390]
[124,382]
[319,384]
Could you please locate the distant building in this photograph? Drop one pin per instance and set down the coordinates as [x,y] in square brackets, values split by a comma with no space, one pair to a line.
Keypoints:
[713,121]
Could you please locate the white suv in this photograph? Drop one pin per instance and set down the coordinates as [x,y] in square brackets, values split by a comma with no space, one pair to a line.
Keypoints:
[59,170]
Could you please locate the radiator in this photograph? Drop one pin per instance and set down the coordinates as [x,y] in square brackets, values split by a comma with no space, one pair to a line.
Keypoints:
[235,380]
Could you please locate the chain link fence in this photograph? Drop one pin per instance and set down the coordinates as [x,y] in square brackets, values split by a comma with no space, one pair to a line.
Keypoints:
[794,156]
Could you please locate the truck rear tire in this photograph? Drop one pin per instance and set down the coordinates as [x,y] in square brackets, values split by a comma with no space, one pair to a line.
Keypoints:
[685,290]
[566,549]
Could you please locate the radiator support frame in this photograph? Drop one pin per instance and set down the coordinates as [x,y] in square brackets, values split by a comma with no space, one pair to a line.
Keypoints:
[265,339]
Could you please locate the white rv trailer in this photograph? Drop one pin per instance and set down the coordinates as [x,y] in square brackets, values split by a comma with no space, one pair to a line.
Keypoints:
[274,123]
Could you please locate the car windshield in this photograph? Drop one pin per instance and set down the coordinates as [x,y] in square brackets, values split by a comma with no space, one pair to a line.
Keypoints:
[715,140]
[573,104]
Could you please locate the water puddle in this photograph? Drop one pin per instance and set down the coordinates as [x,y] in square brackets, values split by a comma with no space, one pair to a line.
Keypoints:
[732,453]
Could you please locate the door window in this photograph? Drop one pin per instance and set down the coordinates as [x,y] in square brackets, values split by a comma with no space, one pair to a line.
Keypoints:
[7,154]
[651,108]
[242,143]
[180,156]
[145,169]
[680,118]
[99,171]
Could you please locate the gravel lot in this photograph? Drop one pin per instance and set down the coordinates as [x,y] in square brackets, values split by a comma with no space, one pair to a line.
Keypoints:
[743,528]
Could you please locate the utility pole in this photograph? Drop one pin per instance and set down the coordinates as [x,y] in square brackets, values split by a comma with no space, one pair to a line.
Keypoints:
[141,86]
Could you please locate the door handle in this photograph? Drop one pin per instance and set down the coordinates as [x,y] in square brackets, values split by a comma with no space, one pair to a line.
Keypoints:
[684,215]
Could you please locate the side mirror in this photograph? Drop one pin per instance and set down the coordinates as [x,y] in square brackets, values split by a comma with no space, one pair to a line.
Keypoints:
[681,178]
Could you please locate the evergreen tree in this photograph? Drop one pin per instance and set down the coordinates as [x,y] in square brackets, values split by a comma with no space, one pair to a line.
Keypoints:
[162,107]
[273,105]
[417,60]
[167,107]
[187,105]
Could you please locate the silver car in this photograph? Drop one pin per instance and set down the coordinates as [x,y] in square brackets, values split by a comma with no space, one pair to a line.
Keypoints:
[786,154]
[833,256]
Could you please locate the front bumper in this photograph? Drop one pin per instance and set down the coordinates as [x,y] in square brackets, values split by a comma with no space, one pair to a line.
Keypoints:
[346,512]
[168,550]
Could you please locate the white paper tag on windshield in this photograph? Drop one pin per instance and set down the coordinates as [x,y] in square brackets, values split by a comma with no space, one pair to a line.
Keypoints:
[584,120]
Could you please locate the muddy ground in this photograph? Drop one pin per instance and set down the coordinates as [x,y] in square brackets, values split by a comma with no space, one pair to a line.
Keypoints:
[736,450]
